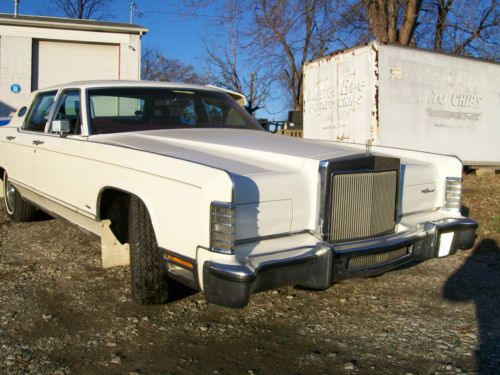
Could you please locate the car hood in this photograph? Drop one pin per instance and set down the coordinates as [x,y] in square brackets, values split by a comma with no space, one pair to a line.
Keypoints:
[242,152]
[274,177]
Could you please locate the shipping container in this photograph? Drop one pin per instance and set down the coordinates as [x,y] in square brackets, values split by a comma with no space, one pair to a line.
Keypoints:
[408,98]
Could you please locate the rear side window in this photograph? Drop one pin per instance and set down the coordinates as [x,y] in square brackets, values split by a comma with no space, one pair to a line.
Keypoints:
[39,112]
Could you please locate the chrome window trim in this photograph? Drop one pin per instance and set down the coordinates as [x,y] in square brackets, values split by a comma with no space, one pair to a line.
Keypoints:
[31,108]
[58,100]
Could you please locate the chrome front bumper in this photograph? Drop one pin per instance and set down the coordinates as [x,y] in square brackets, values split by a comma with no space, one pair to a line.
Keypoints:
[325,263]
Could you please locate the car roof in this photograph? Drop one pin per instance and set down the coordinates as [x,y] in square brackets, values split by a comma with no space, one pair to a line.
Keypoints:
[130,83]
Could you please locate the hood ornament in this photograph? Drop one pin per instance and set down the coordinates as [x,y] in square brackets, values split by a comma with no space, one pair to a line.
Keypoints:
[368,146]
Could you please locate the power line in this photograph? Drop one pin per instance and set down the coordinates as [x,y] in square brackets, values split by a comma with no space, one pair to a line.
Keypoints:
[182,14]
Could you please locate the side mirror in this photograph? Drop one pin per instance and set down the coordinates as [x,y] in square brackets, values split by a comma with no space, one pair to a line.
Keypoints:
[60,127]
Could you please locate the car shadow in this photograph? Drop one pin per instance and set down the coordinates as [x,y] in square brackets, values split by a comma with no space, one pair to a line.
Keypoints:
[42,216]
[179,291]
[478,280]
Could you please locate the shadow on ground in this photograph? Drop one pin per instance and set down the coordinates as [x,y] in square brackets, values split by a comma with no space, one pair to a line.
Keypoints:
[478,280]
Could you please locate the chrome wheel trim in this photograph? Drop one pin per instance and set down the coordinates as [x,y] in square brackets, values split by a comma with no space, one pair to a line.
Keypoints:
[10,195]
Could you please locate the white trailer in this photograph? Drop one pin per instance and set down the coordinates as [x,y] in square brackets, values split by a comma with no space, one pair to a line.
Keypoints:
[406,97]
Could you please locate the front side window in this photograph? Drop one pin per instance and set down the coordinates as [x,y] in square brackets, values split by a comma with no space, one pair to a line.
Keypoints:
[69,109]
[39,112]
[116,110]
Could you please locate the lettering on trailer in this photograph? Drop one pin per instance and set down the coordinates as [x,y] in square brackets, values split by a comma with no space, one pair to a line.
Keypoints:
[351,92]
[450,96]
[323,97]
[451,109]
[458,100]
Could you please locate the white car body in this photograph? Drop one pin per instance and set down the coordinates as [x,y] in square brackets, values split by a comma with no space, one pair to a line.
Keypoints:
[274,183]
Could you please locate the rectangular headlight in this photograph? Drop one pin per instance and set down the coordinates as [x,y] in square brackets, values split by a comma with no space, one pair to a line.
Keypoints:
[222,227]
[452,193]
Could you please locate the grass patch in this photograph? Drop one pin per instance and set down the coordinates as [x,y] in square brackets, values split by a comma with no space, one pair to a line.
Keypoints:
[481,195]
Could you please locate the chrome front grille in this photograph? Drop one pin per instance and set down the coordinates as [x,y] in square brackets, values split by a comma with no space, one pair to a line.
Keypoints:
[362,204]
[364,261]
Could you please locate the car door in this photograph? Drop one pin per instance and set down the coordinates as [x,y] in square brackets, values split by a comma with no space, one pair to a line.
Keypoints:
[56,161]
[25,141]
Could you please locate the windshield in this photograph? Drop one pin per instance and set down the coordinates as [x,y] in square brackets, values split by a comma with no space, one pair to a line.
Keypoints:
[115,110]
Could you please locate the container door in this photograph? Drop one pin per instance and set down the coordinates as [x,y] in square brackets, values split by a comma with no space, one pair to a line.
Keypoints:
[339,97]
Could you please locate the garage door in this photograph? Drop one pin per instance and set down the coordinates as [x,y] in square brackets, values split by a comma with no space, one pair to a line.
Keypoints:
[61,62]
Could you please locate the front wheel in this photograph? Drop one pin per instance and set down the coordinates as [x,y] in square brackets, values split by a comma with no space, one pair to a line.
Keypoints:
[17,208]
[149,279]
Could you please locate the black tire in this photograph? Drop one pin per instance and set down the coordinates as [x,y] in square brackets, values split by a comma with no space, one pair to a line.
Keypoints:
[17,208]
[149,279]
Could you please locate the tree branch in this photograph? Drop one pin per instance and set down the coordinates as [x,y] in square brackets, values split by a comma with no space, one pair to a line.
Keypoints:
[474,34]
[409,21]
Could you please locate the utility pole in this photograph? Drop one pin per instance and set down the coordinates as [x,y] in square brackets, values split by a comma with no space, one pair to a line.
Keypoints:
[132,5]
[16,5]
[134,9]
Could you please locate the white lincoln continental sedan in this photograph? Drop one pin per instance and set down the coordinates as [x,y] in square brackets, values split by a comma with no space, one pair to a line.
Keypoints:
[202,195]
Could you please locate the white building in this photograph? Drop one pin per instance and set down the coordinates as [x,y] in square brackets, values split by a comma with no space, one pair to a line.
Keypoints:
[37,52]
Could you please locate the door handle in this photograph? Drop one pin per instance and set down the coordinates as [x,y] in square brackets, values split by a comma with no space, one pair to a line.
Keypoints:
[10,138]
[38,142]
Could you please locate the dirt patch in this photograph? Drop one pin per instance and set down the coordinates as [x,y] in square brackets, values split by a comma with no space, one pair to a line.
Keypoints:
[60,313]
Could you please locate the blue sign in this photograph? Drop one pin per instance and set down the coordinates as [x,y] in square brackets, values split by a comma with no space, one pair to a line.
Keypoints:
[15,88]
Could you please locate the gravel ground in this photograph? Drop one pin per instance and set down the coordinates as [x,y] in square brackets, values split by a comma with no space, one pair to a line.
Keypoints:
[60,313]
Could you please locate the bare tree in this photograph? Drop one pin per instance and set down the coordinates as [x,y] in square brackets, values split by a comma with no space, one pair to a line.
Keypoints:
[443,9]
[280,35]
[393,21]
[231,68]
[290,32]
[472,28]
[156,67]
[464,27]
[85,9]
[354,27]
[224,71]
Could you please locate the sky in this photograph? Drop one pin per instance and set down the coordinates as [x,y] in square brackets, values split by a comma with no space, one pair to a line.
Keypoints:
[176,36]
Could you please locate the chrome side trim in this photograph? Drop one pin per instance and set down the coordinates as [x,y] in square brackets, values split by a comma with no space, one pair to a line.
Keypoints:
[72,215]
[36,193]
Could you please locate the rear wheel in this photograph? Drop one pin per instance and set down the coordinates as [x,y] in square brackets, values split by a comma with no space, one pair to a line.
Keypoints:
[149,279]
[17,208]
